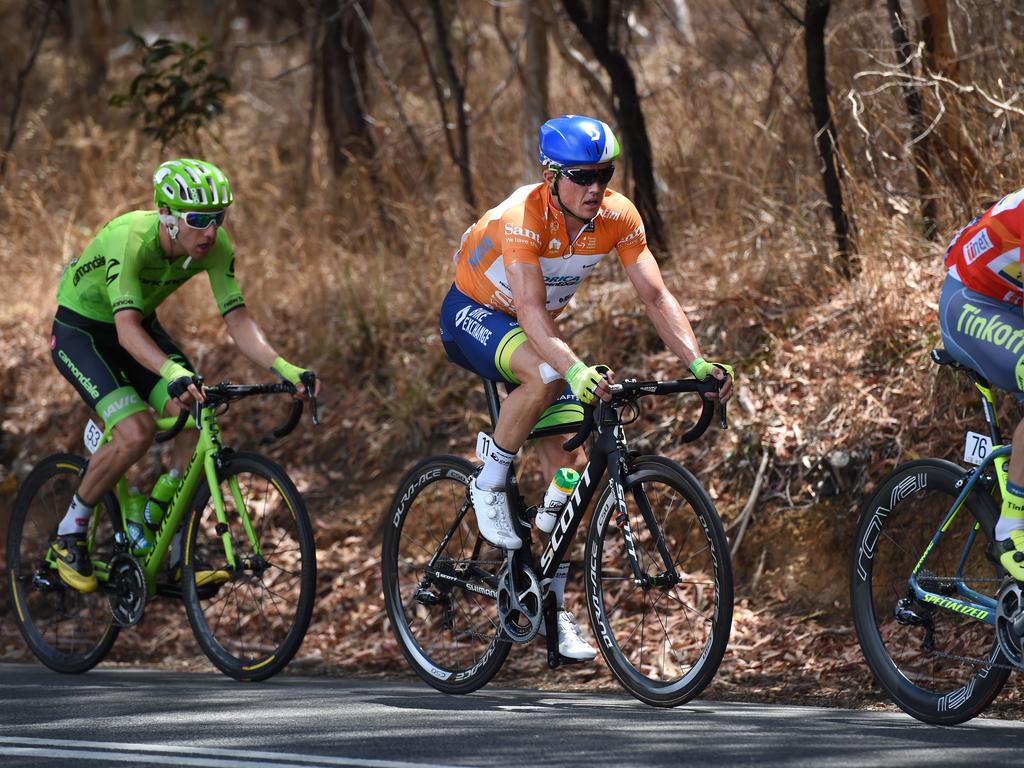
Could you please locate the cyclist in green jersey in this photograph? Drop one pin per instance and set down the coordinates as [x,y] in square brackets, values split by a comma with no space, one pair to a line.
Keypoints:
[108,342]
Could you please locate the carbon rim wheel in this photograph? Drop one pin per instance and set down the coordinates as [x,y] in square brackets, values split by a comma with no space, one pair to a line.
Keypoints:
[921,657]
[251,621]
[663,641]
[449,634]
[66,630]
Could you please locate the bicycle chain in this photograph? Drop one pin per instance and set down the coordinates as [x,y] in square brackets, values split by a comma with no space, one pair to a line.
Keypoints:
[976,662]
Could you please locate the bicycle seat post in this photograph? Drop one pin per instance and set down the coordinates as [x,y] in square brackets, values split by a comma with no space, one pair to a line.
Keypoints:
[493,404]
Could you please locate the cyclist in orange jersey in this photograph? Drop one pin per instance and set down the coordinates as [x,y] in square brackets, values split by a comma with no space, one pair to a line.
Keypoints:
[516,269]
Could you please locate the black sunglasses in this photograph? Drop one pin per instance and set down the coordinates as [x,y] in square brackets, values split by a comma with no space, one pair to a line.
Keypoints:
[587,176]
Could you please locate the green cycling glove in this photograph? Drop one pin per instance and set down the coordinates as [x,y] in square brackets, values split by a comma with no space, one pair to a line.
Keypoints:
[583,380]
[701,368]
[171,370]
[287,371]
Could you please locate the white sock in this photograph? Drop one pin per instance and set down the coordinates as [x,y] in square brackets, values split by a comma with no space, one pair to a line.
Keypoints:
[77,518]
[495,472]
[558,583]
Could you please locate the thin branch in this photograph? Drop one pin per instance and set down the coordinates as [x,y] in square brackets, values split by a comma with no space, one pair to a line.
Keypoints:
[748,509]
[19,88]
[378,60]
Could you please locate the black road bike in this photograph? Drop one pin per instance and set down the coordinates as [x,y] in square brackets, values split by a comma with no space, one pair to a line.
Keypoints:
[658,579]
[939,621]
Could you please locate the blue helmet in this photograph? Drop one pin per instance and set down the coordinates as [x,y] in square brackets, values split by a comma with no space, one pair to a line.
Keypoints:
[576,140]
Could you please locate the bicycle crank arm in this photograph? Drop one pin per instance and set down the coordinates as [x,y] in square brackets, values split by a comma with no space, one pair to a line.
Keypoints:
[469,586]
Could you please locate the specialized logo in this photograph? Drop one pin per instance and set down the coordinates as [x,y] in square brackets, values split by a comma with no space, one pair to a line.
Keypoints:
[955,605]
[85,269]
[514,230]
[989,329]
[977,246]
[84,380]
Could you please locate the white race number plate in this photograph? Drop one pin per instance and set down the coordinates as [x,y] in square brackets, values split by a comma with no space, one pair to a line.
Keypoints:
[976,448]
[92,436]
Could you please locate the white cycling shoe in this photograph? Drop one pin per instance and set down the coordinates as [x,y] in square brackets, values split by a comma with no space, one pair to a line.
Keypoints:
[571,642]
[493,517]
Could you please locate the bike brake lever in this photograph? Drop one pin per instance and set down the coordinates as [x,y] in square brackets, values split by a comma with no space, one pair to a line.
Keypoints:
[308,379]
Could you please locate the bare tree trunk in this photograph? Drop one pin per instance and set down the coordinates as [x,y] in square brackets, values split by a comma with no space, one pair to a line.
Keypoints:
[919,146]
[344,84]
[815,17]
[90,31]
[594,27]
[956,151]
[535,86]
[458,99]
[19,87]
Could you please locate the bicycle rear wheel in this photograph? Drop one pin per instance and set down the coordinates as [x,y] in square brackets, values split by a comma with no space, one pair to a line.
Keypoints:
[663,641]
[932,662]
[449,633]
[66,630]
[250,621]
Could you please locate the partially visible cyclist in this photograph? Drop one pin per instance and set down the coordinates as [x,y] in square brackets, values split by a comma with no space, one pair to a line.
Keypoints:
[108,342]
[983,327]
[516,270]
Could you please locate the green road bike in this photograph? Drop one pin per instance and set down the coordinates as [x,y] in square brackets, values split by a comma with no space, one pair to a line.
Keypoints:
[241,517]
[939,621]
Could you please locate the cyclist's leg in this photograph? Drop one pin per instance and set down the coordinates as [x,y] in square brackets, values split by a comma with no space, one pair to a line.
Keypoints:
[988,336]
[82,351]
[493,345]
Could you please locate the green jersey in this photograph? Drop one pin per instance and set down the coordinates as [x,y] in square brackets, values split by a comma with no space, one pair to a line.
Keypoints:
[125,268]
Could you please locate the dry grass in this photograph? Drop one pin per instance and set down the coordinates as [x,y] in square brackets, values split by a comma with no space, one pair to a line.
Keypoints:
[349,281]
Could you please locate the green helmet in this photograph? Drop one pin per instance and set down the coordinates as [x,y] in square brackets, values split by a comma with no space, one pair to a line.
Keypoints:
[192,185]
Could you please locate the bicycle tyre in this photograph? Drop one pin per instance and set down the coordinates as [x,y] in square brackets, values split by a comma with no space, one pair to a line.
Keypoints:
[693,617]
[896,525]
[449,636]
[252,625]
[66,630]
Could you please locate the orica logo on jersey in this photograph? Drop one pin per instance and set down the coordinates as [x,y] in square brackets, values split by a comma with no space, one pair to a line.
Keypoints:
[480,251]
[561,281]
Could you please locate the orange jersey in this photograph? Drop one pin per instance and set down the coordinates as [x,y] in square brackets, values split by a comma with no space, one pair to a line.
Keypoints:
[529,227]
[985,255]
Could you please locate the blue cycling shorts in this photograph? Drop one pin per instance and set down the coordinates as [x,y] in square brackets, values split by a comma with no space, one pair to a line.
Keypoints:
[983,333]
[482,341]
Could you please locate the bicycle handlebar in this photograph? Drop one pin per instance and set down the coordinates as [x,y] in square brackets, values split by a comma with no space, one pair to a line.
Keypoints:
[227,392]
[633,390]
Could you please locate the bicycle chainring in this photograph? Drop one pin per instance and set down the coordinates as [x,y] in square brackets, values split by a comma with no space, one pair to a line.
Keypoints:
[1010,622]
[519,602]
[126,590]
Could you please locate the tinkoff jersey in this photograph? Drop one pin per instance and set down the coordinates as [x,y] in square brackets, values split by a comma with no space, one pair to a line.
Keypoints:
[125,268]
[985,255]
[529,228]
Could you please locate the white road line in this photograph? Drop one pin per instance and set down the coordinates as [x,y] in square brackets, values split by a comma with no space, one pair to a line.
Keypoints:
[210,757]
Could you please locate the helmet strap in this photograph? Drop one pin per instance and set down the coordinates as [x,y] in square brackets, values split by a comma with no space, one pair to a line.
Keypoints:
[554,194]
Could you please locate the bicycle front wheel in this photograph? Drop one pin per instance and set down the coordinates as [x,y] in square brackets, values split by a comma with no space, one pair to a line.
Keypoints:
[250,619]
[936,664]
[440,579]
[663,638]
[66,630]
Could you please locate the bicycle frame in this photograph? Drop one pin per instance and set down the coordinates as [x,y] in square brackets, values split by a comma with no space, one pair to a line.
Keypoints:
[974,605]
[202,465]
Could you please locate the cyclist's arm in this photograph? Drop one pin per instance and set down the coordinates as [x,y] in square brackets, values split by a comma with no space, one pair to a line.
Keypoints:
[136,341]
[668,317]
[250,340]
[530,297]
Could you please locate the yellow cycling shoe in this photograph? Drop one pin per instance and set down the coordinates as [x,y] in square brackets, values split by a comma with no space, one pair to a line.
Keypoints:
[1011,555]
[205,576]
[71,555]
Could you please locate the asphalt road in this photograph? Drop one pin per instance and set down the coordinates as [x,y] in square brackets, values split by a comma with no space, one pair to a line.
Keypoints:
[150,718]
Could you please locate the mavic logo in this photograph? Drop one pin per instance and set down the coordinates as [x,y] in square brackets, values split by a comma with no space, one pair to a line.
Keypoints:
[117,405]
